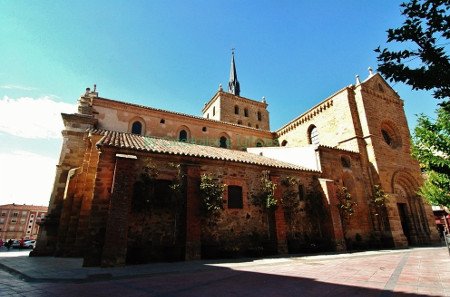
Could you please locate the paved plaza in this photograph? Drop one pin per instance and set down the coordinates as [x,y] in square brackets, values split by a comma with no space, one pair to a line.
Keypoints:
[409,272]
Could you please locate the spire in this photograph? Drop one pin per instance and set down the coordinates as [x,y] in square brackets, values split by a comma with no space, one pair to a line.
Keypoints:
[233,84]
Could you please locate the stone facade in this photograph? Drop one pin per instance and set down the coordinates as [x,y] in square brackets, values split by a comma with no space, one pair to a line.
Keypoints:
[128,183]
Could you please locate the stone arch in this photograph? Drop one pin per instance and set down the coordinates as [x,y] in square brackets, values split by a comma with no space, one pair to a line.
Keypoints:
[224,140]
[406,181]
[390,134]
[137,126]
[259,142]
[411,208]
[183,133]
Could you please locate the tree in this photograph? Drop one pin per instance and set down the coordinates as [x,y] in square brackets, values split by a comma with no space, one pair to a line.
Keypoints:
[426,34]
[431,146]
[425,65]
[346,206]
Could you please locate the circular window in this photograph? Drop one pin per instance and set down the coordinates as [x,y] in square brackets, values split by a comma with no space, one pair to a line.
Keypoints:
[390,135]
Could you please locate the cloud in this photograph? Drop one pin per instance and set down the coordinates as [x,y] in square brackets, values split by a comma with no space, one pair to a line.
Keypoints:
[33,118]
[26,178]
[17,87]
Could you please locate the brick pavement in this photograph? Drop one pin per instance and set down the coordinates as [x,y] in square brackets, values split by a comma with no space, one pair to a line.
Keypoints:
[411,272]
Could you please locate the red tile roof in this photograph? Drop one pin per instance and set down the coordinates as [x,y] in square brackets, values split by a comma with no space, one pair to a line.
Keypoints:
[171,147]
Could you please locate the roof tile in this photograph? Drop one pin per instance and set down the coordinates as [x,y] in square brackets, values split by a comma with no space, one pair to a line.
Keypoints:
[166,146]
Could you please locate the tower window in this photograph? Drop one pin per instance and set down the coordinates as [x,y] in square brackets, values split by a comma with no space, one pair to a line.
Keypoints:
[223,142]
[214,110]
[313,136]
[163,121]
[345,161]
[183,136]
[259,116]
[136,128]
[236,109]
[204,129]
[387,138]
[246,112]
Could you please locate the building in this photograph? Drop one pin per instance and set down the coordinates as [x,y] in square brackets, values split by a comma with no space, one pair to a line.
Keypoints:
[133,182]
[20,221]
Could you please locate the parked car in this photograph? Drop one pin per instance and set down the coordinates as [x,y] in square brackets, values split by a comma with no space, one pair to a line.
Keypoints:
[15,244]
[29,244]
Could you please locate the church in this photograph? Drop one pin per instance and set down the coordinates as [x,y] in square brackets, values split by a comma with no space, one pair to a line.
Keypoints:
[136,184]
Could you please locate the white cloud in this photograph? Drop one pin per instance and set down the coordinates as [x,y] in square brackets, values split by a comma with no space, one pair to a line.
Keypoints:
[17,87]
[26,178]
[33,118]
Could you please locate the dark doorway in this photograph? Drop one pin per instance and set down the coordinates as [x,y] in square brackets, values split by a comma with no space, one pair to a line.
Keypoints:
[403,212]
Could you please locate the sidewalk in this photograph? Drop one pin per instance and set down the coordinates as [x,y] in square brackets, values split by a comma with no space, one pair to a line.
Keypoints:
[424,271]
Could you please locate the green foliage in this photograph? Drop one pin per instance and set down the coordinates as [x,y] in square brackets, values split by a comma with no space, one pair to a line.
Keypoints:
[346,206]
[144,188]
[177,185]
[266,196]
[290,194]
[379,199]
[436,189]
[424,63]
[211,192]
[431,146]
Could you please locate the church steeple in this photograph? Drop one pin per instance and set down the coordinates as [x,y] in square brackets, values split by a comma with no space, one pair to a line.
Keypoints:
[233,84]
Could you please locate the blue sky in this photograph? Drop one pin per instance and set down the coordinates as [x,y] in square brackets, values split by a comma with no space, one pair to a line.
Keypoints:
[172,55]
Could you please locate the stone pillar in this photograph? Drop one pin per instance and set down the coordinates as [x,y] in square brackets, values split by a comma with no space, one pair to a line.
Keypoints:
[115,245]
[66,213]
[337,233]
[398,236]
[193,219]
[99,212]
[280,222]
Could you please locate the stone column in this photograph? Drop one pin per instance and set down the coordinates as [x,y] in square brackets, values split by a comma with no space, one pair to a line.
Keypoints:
[98,216]
[280,222]
[337,233]
[115,245]
[193,219]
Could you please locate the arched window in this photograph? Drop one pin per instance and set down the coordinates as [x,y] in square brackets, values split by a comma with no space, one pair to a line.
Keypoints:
[259,116]
[236,109]
[387,137]
[345,161]
[246,112]
[284,143]
[136,128]
[313,135]
[183,136]
[223,142]
[259,144]
[390,134]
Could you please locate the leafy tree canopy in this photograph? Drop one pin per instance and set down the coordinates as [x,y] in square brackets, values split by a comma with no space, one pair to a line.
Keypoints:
[426,34]
[431,146]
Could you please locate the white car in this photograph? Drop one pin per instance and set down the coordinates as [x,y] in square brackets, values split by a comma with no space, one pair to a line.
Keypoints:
[29,244]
